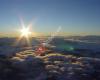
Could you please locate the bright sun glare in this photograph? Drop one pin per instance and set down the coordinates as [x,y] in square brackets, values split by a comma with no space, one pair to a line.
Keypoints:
[25,32]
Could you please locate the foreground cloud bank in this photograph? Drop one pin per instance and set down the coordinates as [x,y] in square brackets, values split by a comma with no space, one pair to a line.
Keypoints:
[25,65]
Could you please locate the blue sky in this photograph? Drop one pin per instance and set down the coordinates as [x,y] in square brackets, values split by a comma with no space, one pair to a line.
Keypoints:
[77,17]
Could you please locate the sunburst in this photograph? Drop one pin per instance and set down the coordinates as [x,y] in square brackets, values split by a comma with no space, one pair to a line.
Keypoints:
[25,33]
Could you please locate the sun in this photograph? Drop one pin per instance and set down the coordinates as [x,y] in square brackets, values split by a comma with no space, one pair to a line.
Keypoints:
[25,32]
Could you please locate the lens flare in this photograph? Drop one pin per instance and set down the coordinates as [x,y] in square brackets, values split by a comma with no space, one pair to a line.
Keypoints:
[25,32]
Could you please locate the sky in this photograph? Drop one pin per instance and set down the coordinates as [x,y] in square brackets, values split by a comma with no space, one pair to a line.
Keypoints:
[76,17]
